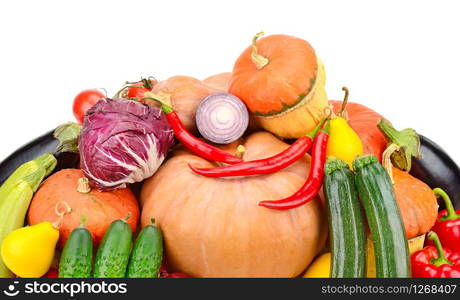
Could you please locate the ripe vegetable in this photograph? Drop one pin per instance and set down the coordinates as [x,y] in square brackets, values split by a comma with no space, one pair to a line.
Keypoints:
[138,89]
[447,225]
[320,268]
[416,201]
[123,142]
[222,118]
[220,81]
[216,218]
[346,221]
[437,169]
[363,121]
[29,251]
[344,142]
[147,254]
[312,185]
[387,230]
[436,262]
[192,143]
[282,82]
[113,253]
[183,94]
[268,165]
[84,101]
[16,194]
[77,256]
[100,208]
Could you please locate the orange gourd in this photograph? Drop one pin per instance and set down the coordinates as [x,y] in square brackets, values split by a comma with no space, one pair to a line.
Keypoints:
[219,81]
[214,227]
[183,93]
[416,201]
[59,192]
[282,82]
[363,121]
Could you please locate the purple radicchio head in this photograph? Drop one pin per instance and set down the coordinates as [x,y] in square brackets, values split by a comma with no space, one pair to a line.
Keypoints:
[122,142]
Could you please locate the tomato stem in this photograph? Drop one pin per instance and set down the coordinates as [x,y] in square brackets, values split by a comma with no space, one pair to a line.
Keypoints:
[259,60]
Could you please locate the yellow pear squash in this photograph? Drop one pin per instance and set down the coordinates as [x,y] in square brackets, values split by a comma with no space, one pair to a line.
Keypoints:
[213,227]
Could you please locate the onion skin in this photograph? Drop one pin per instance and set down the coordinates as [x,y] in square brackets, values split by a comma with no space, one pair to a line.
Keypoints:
[222,118]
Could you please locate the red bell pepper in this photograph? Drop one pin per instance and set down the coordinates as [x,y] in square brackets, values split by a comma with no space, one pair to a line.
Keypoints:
[435,262]
[447,225]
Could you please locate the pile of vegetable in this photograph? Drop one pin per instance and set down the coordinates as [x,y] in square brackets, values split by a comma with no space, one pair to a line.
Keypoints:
[249,173]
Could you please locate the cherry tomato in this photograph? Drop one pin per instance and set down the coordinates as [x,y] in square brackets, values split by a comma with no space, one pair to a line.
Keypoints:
[84,101]
[139,89]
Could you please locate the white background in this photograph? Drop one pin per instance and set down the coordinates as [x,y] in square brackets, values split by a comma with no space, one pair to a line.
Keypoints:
[401,58]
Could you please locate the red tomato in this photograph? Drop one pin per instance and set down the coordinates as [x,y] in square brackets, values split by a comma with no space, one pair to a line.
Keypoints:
[84,101]
[139,89]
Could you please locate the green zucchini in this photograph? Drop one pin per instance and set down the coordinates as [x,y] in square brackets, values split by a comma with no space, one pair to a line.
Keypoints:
[147,253]
[382,212]
[347,229]
[113,254]
[77,256]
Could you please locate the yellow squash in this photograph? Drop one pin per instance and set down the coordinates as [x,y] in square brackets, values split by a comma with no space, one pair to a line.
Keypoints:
[344,142]
[320,268]
[28,252]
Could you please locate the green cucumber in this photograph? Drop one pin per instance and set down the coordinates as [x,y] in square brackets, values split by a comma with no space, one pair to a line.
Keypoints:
[113,254]
[383,216]
[77,256]
[347,229]
[147,253]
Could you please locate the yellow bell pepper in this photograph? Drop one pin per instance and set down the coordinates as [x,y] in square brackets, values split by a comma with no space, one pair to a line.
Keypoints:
[29,251]
[320,268]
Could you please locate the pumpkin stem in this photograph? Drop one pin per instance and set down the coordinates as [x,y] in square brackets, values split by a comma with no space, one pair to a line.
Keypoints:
[386,160]
[408,142]
[344,102]
[83,185]
[259,60]
[240,151]
[61,214]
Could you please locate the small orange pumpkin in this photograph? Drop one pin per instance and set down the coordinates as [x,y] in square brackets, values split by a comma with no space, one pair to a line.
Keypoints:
[213,227]
[99,208]
[282,82]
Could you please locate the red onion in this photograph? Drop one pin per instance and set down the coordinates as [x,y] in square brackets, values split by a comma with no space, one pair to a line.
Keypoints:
[222,118]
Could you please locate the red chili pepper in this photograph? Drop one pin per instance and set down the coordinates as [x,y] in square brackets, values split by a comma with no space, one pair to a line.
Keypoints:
[195,145]
[435,262]
[267,165]
[314,181]
[447,225]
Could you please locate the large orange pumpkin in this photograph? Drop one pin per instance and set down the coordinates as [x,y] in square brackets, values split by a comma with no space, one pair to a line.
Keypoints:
[214,227]
[183,93]
[99,208]
[282,82]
